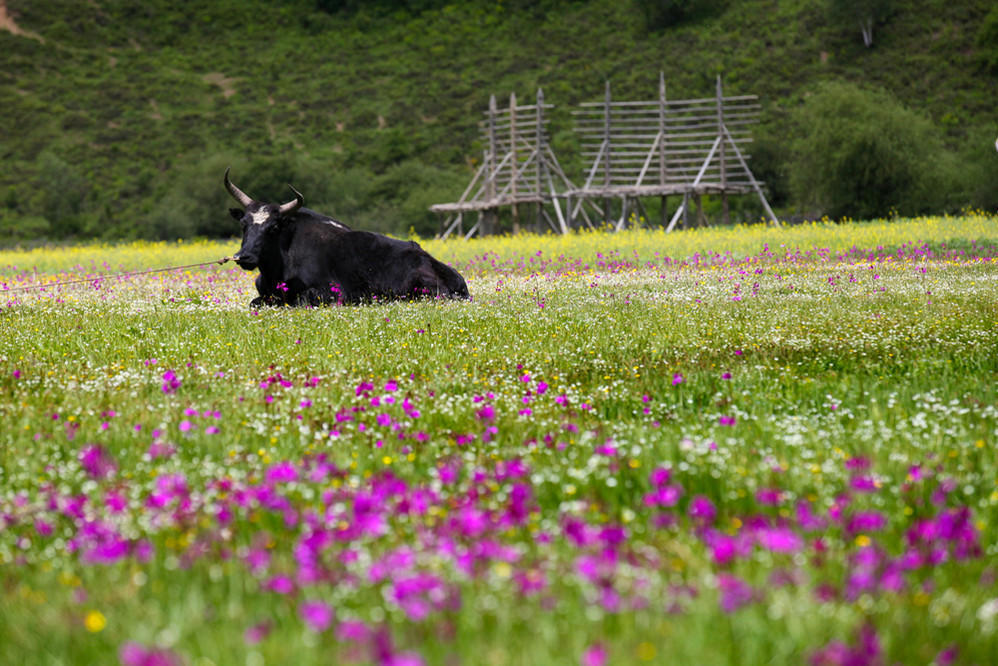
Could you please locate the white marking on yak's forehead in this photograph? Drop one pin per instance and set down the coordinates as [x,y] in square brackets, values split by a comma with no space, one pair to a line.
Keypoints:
[260,216]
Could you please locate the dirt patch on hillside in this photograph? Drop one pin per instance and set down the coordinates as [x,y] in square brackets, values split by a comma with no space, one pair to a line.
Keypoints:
[222,81]
[8,23]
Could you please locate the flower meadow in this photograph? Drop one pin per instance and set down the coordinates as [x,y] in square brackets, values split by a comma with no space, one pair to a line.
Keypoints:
[737,445]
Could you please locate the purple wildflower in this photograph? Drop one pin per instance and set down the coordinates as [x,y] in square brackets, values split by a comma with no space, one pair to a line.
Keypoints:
[595,655]
[97,462]
[779,540]
[282,472]
[256,633]
[837,653]
[702,510]
[170,382]
[316,614]
[863,484]
[735,592]
[136,654]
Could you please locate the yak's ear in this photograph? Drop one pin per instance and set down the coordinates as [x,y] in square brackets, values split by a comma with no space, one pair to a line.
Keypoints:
[236,213]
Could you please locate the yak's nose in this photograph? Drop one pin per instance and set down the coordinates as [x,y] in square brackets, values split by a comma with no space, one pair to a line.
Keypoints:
[246,263]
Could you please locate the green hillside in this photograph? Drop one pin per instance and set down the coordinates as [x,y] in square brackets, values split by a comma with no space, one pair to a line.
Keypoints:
[119,117]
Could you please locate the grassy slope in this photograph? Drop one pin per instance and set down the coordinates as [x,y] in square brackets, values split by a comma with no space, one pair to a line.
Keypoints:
[382,110]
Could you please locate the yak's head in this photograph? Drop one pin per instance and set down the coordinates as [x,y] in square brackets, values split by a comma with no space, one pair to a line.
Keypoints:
[260,221]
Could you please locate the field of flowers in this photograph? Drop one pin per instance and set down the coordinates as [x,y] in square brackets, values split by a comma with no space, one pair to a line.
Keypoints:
[741,445]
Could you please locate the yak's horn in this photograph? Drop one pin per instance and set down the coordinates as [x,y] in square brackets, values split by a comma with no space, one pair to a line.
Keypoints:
[236,193]
[292,206]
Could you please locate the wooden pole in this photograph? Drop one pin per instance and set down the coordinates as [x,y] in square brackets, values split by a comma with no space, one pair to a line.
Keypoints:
[491,214]
[661,145]
[606,154]
[539,168]
[755,183]
[515,164]
[724,167]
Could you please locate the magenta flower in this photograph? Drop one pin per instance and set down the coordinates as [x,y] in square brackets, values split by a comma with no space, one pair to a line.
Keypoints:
[282,472]
[779,540]
[115,502]
[807,520]
[660,476]
[859,463]
[136,654]
[735,592]
[726,420]
[768,496]
[316,614]
[863,484]
[280,585]
[256,633]
[702,510]
[608,450]
[595,655]
[866,521]
[170,382]
[97,461]
[664,496]
[837,653]
[160,449]
[352,631]
[726,548]
[678,379]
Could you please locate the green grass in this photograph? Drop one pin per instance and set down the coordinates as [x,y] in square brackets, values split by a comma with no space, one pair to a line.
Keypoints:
[821,363]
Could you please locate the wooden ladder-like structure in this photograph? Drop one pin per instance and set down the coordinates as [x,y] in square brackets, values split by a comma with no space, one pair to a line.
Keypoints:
[660,148]
[638,149]
[518,169]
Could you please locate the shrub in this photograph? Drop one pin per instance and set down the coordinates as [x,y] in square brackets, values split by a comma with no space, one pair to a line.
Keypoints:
[195,203]
[860,153]
[60,194]
[979,162]
[987,41]
[661,14]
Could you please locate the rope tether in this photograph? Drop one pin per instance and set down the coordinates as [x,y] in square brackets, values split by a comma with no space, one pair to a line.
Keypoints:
[113,276]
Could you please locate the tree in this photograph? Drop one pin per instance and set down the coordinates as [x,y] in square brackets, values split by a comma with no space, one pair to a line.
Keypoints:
[861,154]
[865,13]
